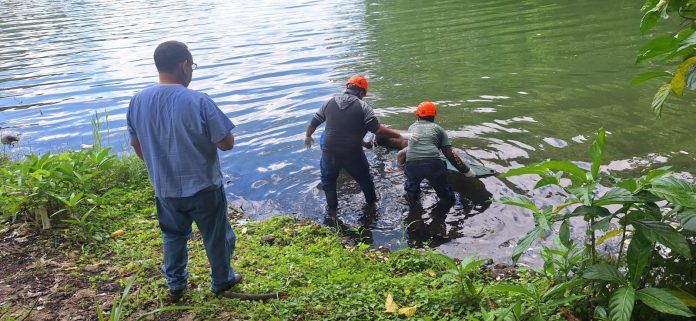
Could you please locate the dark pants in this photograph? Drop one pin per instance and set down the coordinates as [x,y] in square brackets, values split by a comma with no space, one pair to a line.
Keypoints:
[208,208]
[355,164]
[435,171]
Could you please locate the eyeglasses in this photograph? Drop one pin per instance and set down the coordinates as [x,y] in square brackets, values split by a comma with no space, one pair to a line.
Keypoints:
[194,66]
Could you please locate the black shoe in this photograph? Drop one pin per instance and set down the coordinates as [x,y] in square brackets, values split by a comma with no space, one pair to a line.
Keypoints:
[175,295]
[237,279]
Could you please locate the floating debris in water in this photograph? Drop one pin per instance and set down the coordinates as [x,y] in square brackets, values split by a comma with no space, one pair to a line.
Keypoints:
[10,139]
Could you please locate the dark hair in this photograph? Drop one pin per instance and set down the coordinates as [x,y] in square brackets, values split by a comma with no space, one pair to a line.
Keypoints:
[170,54]
[428,118]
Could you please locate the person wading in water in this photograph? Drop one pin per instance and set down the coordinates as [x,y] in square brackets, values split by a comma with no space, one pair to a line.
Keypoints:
[348,118]
[423,159]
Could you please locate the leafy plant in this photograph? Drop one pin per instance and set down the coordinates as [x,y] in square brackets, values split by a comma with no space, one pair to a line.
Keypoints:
[57,184]
[679,45]
[643,224]
[545,300]
[463,275]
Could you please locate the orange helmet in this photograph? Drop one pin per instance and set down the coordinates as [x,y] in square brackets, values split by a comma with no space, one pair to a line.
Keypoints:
[426,109]
[358,80]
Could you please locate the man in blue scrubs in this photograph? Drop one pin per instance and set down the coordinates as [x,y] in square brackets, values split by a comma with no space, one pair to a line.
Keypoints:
[177,132]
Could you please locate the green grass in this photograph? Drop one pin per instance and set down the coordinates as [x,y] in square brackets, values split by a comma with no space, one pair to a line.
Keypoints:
[323,278]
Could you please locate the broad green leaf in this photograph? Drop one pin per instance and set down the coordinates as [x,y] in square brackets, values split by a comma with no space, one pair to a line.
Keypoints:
[564,234]
[687,40]
[608,235]
[470,263]
[576,174]
[602,224]
[630,185]
[637,256]
[678,82]
[687,219]
[659,98]
[530,169]
[547,180]
[561,288]
[663,301]
[542,219]
[641,78]
[649,19]
[597,150]
[512,288]
[676,191]
[674,183]
[656,47]
[583,193]
[524,243]
[644,213]
[603,272]
[665,234]
[600,313]
[616,195]
[621,304]
[447,260]
[590,211]
[520,201]
[654,174]
[687,298]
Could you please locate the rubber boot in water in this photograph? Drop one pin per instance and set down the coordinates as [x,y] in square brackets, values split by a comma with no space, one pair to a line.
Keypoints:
[370,196]
[331,199]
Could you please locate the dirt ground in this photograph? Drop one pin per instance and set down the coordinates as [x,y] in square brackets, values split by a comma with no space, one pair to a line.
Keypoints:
[41,280]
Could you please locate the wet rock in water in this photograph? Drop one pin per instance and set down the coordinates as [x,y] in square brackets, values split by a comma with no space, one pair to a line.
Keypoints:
[9,139]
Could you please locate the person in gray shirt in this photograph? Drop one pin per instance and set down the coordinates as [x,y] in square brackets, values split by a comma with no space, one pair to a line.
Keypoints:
[177,132]
[348,118]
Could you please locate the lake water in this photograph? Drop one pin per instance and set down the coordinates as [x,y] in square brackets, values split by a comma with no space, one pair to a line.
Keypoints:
[515,82]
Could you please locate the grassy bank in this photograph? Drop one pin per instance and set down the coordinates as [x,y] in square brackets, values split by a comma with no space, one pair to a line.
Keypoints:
[74,266]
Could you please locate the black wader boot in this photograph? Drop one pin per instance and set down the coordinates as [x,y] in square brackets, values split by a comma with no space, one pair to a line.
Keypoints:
[331,199]
[370,195]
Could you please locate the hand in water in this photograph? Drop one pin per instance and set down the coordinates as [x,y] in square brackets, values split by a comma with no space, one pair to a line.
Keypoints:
[308,141]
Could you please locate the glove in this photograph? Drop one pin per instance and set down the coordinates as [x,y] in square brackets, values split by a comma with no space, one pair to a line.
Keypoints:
[470,173]
[308,141]
[406,136]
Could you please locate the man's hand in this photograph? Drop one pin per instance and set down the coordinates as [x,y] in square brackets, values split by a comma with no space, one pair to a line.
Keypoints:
[308,141]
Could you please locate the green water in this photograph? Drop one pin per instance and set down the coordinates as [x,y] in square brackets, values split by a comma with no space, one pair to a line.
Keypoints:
[509,74]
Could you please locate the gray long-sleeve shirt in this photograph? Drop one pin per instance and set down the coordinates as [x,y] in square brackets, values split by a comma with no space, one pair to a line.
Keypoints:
[348,119]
